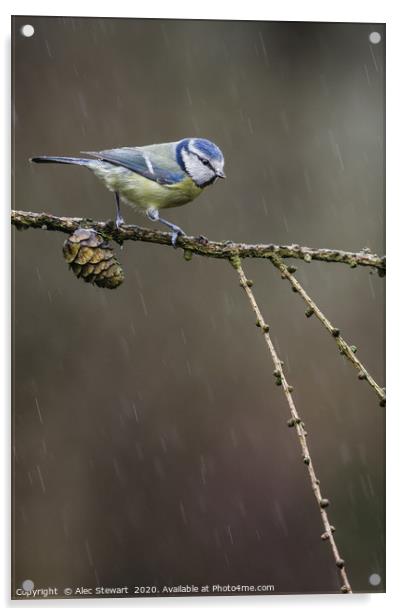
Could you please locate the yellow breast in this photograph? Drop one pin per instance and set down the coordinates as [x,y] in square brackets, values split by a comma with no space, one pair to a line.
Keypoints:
[143,193]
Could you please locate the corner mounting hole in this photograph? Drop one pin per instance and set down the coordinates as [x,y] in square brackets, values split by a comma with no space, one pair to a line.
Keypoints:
[28,585]
[27,30]
[375,38]
[375,579]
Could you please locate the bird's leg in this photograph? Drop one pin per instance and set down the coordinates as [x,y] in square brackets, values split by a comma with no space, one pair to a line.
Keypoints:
[119,217]
[153,214]
[176,231]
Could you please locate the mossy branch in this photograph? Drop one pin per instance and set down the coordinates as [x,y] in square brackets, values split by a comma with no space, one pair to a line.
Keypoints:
[196,245]
[295,422]
[349,351]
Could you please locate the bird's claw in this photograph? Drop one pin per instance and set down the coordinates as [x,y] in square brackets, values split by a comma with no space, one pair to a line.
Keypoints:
[114,226]
[202,239]
[175,235]
[119,222]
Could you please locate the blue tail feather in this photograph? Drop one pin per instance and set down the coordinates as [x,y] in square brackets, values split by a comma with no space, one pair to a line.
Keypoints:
[67,160]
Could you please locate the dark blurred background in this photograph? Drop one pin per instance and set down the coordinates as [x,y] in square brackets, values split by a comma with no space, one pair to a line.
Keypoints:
[151,444]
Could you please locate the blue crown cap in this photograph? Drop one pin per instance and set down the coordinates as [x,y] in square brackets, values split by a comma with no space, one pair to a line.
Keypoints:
[208,148]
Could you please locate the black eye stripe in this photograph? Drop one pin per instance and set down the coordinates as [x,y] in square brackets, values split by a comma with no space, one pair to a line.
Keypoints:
[206,162]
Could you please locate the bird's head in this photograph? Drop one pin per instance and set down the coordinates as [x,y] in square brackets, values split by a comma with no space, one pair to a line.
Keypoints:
[201,159]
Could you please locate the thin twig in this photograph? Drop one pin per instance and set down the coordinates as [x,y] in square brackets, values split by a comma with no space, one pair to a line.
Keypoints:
[295,421]
[197,245]
[345,349]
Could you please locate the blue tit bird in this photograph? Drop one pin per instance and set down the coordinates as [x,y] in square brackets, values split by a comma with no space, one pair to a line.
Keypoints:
[153,177]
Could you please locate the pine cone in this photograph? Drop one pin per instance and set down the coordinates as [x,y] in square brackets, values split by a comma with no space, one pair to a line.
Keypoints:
[91,258]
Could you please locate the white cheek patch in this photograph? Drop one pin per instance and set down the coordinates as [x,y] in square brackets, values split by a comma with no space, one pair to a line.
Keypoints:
[200,173]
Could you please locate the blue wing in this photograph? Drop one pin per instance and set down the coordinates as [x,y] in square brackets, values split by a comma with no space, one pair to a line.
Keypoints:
[156,163]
